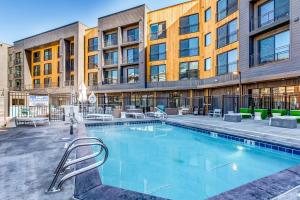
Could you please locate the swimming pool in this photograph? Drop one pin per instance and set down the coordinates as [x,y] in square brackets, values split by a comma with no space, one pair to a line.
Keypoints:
[178,163]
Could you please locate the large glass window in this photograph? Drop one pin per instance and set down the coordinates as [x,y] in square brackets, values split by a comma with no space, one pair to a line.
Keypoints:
[47,54]
[227,62]
[207,39]
[158,73]
[36,70]
[132,75]
[36,83]
[93,44]
[225,8]
[188,70]
[36,57]
[158,52]
[47,69]
[274,48]
[111,58]
[158,31]
[47,82]
[132,55]
[110,77]
[93,62]
[207,64]
[189,24]
[272,10]
[110,39]
[227,34]
[133,35]
[189,47]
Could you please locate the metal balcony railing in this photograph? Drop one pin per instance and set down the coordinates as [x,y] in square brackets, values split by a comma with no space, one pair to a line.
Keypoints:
[269,17]
[280,53]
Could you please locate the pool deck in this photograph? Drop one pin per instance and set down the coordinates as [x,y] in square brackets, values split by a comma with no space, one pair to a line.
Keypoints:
[28,157]
[259,130]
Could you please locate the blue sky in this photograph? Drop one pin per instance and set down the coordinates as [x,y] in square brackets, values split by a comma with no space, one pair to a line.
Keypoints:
[23,18]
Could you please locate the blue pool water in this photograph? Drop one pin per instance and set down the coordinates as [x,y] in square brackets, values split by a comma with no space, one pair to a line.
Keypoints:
[178,163]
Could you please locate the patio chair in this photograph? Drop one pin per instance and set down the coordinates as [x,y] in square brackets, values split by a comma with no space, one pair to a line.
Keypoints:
[32,120]
[135,115]
[215,113]
[103,117]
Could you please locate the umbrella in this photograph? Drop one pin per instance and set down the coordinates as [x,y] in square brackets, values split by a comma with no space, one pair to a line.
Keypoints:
[82,93]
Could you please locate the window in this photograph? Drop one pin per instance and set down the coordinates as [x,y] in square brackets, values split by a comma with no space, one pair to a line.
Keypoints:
[93,62]
[36,83]
[188,70]
[227,62]
[207,64]
[18,58]
[189,24]
[93,44]
[72,80]
[272,11]
[207,39]
[58,67]
[189,47]
[47,54]
[158,31]
[36,57]
[92,78]
[207,14]
[36,70]
[227,34]
[132,55]
[274,48]
[72,65]
[47,82]
[133,35]
[71,48]
[225,8]
[47,69]
[132,75]
[111,58]
[110,39]
[110,76]
[18,71]
[58,53]
[158,52]
[158,73]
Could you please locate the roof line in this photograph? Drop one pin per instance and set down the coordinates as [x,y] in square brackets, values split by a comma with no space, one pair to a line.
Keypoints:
[77,22]
[170,6]
[122,11]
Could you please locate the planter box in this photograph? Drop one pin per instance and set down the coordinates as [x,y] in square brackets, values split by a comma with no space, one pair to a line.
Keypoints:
[264,113]
[246,110]
[295,113]
[281,111]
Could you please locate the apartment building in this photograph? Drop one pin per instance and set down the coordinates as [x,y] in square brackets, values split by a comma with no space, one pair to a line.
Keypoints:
[192,49]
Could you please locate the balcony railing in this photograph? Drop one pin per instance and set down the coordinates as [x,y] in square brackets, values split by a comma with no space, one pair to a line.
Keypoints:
[189,29]
[158,56]
[110,62]
[132,38]
[158,35]
[227,39]
[109,81]
[227,68]
[280,53]
[108,43]
[269,17]
[189,52]
[36,59]
[231,8]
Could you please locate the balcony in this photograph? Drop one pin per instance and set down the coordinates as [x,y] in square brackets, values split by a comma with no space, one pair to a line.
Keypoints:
[189,29]
[189,52]
[270,19]
[280,54]
[158,56]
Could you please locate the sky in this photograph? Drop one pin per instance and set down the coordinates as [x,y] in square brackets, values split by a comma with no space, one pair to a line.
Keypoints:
[23,18]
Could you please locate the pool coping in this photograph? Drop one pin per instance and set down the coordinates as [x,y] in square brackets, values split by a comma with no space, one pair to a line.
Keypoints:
[265,188]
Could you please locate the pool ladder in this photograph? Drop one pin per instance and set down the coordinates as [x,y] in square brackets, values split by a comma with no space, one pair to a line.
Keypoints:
[64,163]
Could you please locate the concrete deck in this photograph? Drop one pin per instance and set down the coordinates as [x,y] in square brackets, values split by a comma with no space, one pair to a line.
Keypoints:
[247,128]
[28,157]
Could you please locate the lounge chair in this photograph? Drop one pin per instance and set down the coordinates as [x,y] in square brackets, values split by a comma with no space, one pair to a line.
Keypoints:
[32,120]
[215,113]
[157,113]
[135,115]
[103,117]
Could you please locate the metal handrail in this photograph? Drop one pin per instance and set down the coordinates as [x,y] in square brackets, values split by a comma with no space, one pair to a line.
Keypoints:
[63,165]
[165,115]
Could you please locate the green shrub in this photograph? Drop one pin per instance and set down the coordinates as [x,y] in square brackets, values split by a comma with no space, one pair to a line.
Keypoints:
[295,113]
[281,111]
[264,112]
